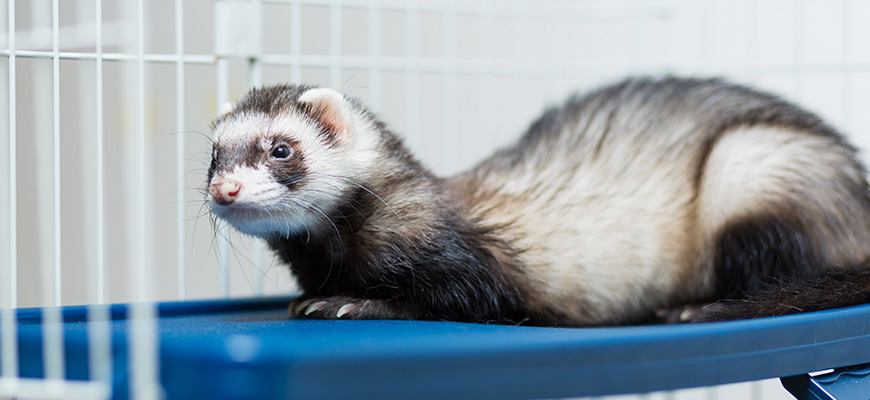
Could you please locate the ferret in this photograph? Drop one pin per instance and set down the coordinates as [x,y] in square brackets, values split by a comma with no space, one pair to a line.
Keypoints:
[635,203]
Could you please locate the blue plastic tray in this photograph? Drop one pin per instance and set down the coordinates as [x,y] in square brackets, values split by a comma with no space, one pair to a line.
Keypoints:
[250,349]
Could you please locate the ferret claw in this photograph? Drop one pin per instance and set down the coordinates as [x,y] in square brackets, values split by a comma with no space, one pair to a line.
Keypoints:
[314,307]
[344,310]
[688,314]
[300,307]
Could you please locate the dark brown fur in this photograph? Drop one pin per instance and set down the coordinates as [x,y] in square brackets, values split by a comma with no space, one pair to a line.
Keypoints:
[811,291]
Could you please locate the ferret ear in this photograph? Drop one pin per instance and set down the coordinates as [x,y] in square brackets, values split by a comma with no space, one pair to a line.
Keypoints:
[329,107]
[226,109]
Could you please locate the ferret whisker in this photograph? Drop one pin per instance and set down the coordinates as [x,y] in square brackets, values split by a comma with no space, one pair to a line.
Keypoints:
[239,256]
[363,187]
[217,233]
[352,206]
[266,276]
[198,218]
[204,212]
[176,133]
[198,203]
[192,171]
[186,191]
[332,250]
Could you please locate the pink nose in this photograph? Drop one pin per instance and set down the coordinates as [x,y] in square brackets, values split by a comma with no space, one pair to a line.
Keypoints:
[225,191]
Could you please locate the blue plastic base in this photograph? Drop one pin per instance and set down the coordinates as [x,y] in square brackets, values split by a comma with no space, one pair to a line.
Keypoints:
[846,383]
[250,349]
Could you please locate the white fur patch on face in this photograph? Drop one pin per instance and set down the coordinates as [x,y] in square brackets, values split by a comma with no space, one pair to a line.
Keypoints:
[263,206]
[333,170]
[243,129]
[336,167]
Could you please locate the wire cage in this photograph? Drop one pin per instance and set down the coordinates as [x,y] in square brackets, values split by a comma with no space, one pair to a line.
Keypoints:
[107,104]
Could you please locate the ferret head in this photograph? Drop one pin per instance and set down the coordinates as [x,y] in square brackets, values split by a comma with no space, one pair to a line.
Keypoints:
[284,157]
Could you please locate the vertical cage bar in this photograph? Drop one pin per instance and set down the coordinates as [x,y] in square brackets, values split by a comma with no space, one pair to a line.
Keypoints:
[798,50]
[523,45]
[99,334]
[40,91]
[485,37]
[258,247]
[664,46]
[179,149]
[450,86]
[140,156]
[55,95]
[51,293]
[8,325]
[637,33]
[704,61]
[374,52]
[295,42]
[412,79]
[100,289]
[143,339]
[223,233]
[335,45]
[845,60]
[752,35]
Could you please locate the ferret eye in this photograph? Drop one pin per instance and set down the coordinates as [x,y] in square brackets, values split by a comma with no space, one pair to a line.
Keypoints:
[282,151]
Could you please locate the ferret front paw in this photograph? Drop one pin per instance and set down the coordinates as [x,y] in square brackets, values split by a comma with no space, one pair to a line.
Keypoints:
[680,315]
[341,307]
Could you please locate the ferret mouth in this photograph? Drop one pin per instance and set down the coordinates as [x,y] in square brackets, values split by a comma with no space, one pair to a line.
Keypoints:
[235,212]
[255,221]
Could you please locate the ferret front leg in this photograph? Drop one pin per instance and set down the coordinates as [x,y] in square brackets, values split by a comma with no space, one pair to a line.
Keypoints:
[342,307]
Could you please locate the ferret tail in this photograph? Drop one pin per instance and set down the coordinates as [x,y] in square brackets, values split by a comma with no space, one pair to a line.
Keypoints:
[822,289]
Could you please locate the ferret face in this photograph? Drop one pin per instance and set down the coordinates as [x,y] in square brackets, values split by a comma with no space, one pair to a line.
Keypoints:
[285,157]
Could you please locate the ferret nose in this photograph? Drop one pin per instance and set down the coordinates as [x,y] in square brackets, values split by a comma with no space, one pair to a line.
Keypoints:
[225,191]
